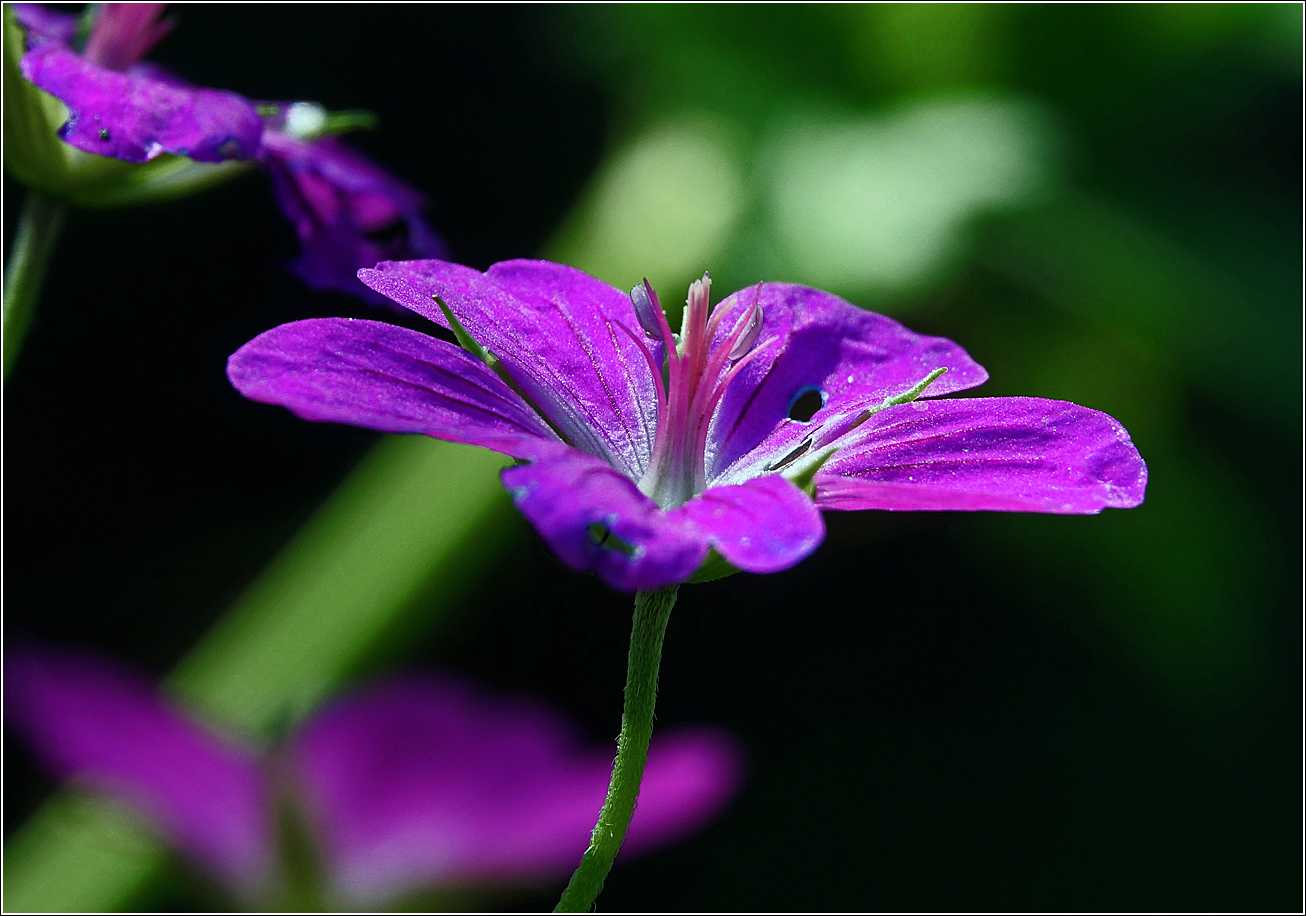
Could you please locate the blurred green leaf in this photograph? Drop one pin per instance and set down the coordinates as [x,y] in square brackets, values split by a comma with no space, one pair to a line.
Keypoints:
[870,207]
[662,206]
[1102,263]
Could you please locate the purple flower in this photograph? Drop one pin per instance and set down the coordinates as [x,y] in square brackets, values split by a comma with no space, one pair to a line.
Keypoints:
[347,211]
[121,108]
[415,782]
[641,452]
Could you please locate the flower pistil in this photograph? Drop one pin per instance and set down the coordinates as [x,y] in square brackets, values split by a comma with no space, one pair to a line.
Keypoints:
[691,385]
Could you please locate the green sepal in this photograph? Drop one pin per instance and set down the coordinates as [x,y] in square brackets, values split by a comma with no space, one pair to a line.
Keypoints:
[906,397]
[465,340]
[348,121]
[470,344]
[32,152]
[165,178]
[913,392]
[713,567]
[35,156]
[301,879]
[802,473]
[310,121]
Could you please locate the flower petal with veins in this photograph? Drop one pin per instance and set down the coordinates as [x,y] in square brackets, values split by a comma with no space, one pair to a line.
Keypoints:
[639,477]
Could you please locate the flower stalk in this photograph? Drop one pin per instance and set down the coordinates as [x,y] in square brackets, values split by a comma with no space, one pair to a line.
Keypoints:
[652,611]
[34,243]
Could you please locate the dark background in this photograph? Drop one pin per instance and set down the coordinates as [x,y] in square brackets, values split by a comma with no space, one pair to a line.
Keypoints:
[942,711]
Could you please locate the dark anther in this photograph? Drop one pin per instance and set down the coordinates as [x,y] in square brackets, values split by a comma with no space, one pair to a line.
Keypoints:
[792,456]
[104,133]
[805,404]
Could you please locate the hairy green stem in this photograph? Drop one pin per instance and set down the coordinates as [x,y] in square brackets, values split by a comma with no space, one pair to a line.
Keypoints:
[34,240]
[652,611]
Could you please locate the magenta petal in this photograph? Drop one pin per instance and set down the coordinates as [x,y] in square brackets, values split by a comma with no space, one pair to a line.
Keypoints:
[133,117]
[1006,454]
[763,525]
[45,26]
[384,377]
[348,212]
[554,329]
[597,520]
[422,781]
[853,357]
[106,728]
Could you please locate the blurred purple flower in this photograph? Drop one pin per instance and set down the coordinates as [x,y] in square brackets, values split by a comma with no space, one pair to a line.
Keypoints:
[644,451]
[415,782]
[121,108]
[347,211]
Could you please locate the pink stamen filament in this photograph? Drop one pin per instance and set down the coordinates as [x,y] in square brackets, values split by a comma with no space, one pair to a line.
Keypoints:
[652,365]
[705,420]
[665,393]
[694,387]
[721,354]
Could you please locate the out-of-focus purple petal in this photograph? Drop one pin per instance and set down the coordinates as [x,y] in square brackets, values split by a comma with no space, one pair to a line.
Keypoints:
[385,377]
[597,520]
[158,73]
[421,780]
[763,525]
[852,357]
[43,25]
[348,212]
[124,33]
[1005,454]
[106,728]
[554,328]
[132,117]
[692,774]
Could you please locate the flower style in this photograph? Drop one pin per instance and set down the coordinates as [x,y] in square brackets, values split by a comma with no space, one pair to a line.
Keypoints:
[644,455]
[419,781]
[347,211]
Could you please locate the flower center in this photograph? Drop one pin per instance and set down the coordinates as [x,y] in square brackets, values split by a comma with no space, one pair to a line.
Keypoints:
[690,385]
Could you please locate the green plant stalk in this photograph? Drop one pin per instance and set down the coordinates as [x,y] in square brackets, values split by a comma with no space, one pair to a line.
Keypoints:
[34,242]
[652,611]
[409,530]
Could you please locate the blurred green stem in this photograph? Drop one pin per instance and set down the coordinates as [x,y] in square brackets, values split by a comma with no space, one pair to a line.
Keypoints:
[652,611]
[34,241]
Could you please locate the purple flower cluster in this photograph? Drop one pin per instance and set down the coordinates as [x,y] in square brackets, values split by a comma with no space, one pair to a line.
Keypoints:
[651,458]
[343,206]
[417,782]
